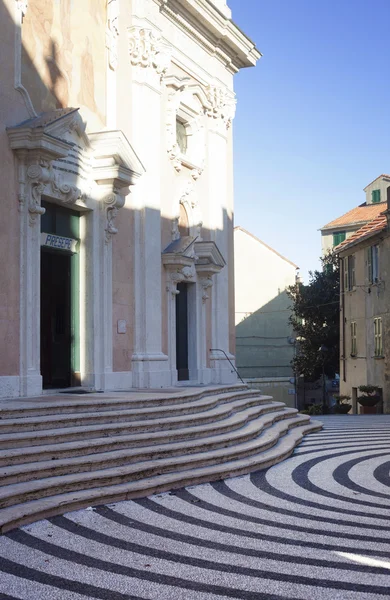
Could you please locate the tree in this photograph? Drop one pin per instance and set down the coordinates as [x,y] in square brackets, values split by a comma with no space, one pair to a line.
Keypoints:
[316,321]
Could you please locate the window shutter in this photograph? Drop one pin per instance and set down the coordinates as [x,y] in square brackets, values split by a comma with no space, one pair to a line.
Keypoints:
[369,264]
[345,274]
[351,269]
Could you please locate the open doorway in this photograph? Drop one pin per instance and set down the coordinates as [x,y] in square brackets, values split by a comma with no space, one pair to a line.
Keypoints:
[182,332]
[60,298]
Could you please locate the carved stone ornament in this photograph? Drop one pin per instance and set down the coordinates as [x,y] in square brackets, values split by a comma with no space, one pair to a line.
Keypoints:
[175,233]
[197,172]
[222,105]
[174,277]
[112,203]
[112,33]
[22,6]
[147,50]
[189,272]
[173,149]
[44,179]
[190,202]
[206,283]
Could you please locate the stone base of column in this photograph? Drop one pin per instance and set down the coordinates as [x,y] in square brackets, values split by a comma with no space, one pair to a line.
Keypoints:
[10,386]
[222,370]
[118,381]
[151,371]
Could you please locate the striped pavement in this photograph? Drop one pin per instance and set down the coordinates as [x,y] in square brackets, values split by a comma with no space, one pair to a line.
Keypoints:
[315,527]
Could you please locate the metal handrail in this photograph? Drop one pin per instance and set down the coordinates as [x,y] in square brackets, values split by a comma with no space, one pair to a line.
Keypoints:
[231,364]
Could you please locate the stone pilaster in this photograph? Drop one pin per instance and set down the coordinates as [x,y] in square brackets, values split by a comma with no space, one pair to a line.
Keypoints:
[150,60]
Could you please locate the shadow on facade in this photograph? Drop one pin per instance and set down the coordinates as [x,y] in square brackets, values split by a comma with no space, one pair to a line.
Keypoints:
[114,298]
[262,348]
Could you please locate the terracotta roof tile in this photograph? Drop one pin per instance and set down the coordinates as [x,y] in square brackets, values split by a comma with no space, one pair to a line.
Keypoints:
[369,229]
[359,215]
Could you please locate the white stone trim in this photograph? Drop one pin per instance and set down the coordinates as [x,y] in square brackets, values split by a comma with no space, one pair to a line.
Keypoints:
[114,168]
[119,380]
[9,386]
[218,35]
[20,11]
[112,33]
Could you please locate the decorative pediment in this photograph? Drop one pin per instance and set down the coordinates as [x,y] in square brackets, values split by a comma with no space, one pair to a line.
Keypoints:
[36,135]
[49,129]
[209,258]
[179,261]
[114,159]
[59,160]
[186,104]
[39,142]
[180,251]
[115,168]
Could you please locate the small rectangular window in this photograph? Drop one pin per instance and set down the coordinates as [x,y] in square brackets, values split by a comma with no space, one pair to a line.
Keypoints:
[353,339]
[378,342]
[338,237]
[375,196]
[349,273]
[373,264]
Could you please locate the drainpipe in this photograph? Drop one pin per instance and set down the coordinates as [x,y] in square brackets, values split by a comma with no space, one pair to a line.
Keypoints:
[388,208]
[343,349]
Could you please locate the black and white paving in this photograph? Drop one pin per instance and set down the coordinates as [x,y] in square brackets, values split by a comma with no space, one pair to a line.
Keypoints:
[315,527]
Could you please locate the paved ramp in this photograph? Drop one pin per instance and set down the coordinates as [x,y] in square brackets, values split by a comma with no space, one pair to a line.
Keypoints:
[316,526]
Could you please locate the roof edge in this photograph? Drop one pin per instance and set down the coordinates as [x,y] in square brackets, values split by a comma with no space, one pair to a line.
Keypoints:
[238,227]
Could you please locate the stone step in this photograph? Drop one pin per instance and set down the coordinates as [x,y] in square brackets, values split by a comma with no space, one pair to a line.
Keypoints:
[41,488]
[150,451]
[17,439]
[55,451]
[37,423]
[23,511]
[71,403]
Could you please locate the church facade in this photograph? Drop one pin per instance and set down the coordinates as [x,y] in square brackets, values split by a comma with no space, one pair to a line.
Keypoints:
[116,229]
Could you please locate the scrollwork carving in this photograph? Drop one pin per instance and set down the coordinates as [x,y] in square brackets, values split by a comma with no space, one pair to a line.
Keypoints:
[112,33]
[147,50]
[35,174]
[112,203]
[175,233]
[206,283]
[42,179]
[222,105]
[174,277]
[189,272]
[190,201]
[172,145]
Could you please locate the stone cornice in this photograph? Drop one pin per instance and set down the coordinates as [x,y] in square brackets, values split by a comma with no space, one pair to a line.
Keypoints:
[213,30]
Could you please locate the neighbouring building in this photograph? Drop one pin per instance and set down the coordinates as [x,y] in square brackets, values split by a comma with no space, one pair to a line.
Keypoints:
[101,287]
[264,336]
[344,227]
[364,309]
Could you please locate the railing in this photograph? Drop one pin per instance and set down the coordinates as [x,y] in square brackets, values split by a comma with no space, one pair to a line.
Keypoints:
[231,364]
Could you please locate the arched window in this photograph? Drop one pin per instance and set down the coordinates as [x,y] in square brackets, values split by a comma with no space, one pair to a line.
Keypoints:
[184,226]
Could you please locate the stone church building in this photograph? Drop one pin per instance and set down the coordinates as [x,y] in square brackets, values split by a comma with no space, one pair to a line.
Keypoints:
[116,228]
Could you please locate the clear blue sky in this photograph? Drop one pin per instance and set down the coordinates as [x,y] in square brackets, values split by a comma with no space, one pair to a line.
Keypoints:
[312,124]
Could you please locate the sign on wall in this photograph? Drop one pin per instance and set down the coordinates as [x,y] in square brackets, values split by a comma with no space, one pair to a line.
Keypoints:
[59,242]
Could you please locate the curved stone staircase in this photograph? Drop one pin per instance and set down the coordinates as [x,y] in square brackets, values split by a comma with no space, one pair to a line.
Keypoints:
[57,455]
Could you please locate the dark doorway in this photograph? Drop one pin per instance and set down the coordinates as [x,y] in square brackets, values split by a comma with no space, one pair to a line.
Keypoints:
[182,332]
[55,319]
